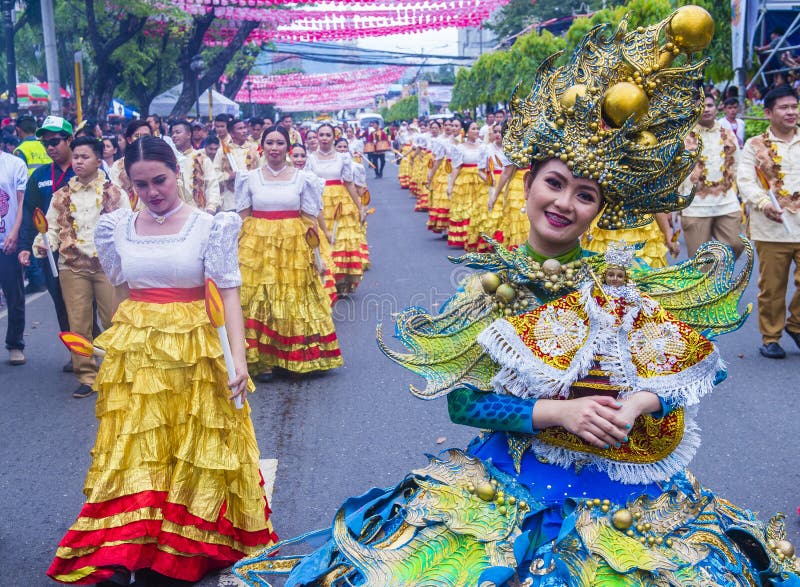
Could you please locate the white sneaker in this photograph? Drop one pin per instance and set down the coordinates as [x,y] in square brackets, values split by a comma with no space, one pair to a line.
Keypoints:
[15,357]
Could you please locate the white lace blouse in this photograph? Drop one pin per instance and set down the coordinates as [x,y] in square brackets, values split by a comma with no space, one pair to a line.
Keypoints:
[303,192]
[206,246]
[339,167]
[463,155]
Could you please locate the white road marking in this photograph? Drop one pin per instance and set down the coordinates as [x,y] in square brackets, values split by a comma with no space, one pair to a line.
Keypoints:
[269,467]
[28,299]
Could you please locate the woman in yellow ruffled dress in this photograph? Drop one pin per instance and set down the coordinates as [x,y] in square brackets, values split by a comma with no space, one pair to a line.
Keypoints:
[514,223]
[340,192]
[655,239]
[405,135]
[360,181]
[423,163]
[298,155]
[467,189]
[493,219]
[174,487]
[287,314]
[438,178]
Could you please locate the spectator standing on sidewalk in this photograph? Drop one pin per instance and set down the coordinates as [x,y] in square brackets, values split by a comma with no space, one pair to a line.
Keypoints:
[13,177]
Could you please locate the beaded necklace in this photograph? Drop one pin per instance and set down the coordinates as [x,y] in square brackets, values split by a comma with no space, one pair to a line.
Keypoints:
[728,161]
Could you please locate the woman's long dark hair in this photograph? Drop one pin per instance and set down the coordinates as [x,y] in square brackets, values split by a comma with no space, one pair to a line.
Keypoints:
[149,148]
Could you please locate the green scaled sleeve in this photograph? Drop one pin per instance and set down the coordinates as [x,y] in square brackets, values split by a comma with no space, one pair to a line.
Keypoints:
[491,411]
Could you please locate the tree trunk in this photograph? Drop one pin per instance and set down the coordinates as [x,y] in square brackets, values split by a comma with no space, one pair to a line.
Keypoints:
[214,69]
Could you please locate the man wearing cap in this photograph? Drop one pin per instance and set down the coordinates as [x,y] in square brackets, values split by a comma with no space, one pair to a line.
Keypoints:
[30,150]
[56,135]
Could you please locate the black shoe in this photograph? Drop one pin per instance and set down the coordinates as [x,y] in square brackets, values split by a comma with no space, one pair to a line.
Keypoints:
[265,377]
[795,336]
[68,367]
[772,350]
[31,289]
[83,391]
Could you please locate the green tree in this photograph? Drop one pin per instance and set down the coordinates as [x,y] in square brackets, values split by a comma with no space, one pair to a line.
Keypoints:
[518,14]
[404,109]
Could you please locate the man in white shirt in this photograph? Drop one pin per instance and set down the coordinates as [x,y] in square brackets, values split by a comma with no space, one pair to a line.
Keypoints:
[198,182]
[715,212]
[731,121]
[13,178]
[775,230]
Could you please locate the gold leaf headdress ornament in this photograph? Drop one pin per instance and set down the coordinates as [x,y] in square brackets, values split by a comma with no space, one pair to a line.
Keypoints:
[618,113]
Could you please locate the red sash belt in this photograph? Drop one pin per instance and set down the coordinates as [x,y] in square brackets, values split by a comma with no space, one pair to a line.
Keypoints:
[334,182]
[276,214]
[469,165]
[167,295]
[497,171]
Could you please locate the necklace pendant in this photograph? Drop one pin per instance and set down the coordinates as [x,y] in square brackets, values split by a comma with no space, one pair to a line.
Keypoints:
[160,219]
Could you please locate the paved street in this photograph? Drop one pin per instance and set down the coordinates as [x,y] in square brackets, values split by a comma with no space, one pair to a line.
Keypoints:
[340,434]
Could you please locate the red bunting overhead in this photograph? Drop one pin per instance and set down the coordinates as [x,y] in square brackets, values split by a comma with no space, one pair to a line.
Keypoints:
[297,92]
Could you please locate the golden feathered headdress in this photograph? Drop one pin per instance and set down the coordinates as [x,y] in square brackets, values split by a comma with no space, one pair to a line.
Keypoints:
[618,113]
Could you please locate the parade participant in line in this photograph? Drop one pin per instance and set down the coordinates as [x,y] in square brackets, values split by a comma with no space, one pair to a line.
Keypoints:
[355,144]
[136,129]
[731,121]
[174,487]
[419,145]
[360,181]
[584,391]
[312,143]
[255,127]
[715,213]
[298,155]
[378,137]
[438,179]
[30,150]
[197,183]
[211,147]
[72,216]
[13,178]
[492,217]
[775,229]
[406,138]
[199,135]
[287,122]
[55,134]
[245,158]
[422,164]
[221,127]
[287,314]
[337,171]
[467,185]
[485,134]
[510,186]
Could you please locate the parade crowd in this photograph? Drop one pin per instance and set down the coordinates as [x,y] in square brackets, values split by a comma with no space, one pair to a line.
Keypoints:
[123,228]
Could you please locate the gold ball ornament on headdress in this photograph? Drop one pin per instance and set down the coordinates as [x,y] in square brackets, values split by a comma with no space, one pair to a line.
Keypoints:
[617,113]
[623,100]
[691,28]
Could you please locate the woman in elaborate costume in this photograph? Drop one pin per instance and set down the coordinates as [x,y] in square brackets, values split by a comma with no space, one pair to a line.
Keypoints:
[585,390]
[174,486]
[298,155]
[423,163]
[287,314]
[405,138]
[340,193]
[467,190]
[514,224]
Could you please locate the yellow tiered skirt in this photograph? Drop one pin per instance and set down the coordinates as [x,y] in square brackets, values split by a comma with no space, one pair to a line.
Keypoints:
[514,224]
[404,169]
[287,313]
[423,193]
[439,203]
[654,251]
[174,485]
[467,189]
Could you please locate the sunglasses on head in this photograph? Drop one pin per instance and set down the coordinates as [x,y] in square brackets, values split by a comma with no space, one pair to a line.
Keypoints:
[54,142]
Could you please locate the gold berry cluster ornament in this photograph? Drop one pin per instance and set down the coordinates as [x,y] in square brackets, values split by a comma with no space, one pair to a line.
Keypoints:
[510,299]
[618,113]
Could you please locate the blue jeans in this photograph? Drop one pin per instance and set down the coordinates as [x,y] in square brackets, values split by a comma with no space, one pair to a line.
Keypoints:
[12,284]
